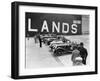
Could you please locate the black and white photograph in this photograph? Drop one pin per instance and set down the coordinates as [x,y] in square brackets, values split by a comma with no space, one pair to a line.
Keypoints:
[56,40]
[53,40]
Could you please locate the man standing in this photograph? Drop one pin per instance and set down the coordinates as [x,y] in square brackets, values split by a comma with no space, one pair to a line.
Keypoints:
[83,53]
[76,59]
[40,40]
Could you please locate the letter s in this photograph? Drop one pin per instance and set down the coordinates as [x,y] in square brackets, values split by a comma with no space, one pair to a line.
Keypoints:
[74,28]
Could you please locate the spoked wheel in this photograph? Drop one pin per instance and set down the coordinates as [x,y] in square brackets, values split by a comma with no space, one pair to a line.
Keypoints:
[58,52]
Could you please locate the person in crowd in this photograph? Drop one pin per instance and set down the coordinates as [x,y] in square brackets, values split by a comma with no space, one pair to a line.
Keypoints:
[40,40]
[76,58]
[35,39]
[83,53]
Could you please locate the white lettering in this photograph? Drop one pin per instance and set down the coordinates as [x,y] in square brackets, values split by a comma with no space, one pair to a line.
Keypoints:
[57,27]
[45,26]
[29,26]
[74,28]
[63,27]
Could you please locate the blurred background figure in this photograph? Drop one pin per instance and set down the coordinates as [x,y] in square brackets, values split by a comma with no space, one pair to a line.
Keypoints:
[35,39]
[76,58]
[83,53]
[40,40]
[78,61]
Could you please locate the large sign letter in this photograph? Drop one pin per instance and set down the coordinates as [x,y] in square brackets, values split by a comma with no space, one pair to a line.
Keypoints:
[63,27]
[45,26]
[29,26]
[54,26]
[74,28]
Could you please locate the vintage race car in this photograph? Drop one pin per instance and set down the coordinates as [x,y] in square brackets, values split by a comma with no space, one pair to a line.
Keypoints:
[47,38]
[57,42]
[62,48]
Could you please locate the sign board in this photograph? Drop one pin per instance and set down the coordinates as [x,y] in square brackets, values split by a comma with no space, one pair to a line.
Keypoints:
[65,24]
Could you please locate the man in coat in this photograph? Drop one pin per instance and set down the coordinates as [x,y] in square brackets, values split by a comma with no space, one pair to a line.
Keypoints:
[76,58]
[83,53]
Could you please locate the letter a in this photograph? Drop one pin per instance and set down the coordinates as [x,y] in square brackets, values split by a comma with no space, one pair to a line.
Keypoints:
[44,26]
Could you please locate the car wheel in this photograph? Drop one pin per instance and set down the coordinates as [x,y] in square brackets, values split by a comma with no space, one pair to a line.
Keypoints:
[59,52]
